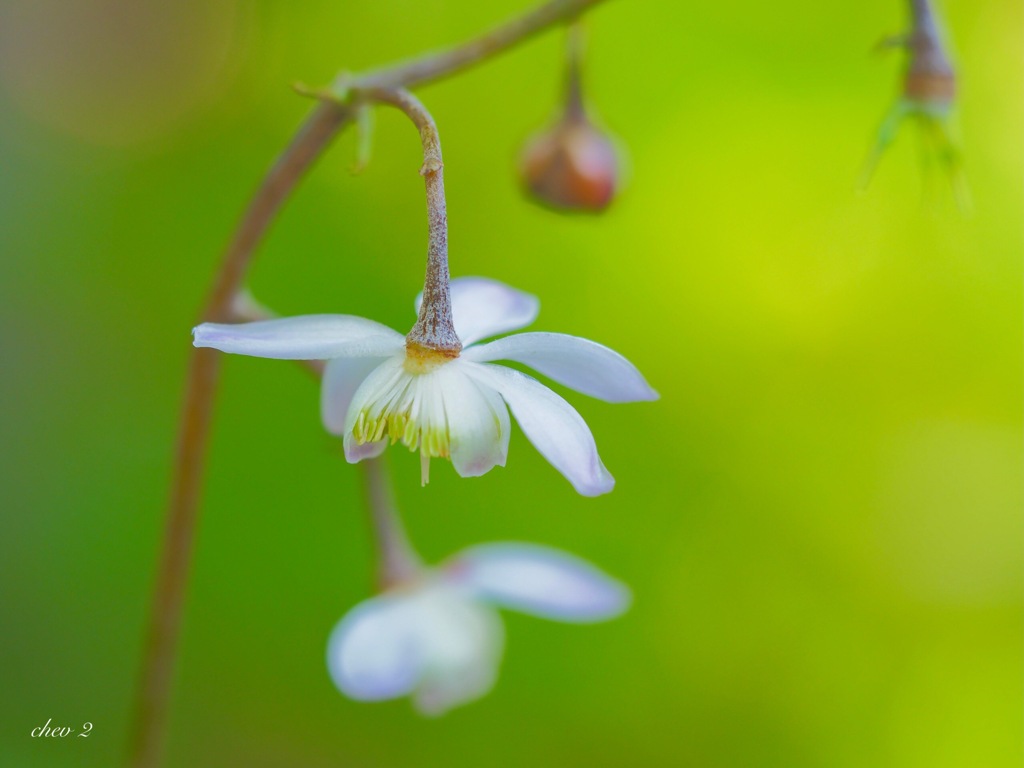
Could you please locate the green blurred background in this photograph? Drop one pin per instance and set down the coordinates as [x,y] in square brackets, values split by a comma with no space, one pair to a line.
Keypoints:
[820,519]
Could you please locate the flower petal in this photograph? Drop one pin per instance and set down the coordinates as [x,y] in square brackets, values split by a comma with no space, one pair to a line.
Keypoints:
[478,422]
[539,580]
[482,307]
[356,451]
[581,364]
[373,653]
[342,377]
[461,641]
[370,388]
[552,425]
[306,337]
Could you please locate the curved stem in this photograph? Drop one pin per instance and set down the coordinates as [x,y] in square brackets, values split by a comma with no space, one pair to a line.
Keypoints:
[312,138]
[434,329]
[154,683]
[435,66]
[149,716]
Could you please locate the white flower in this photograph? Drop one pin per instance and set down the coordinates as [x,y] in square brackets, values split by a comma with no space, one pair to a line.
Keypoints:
[440,640]
[378,386]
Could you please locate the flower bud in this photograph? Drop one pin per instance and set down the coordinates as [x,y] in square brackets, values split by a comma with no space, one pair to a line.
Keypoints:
[572,166]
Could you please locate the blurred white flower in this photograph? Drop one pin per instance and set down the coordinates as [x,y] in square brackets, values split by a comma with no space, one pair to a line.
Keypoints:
[438,637]
[380,387]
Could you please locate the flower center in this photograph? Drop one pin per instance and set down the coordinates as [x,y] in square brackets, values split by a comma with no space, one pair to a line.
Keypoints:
[409,407]
[420,359]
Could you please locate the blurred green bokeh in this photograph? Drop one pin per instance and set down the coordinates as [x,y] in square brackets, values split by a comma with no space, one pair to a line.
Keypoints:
[820,519]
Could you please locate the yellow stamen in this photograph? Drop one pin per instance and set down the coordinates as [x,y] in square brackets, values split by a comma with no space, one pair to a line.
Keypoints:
[424,468]
[410,408]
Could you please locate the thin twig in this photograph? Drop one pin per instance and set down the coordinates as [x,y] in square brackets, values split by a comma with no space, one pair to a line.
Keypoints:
[434,66]
[154,683]
[323,124]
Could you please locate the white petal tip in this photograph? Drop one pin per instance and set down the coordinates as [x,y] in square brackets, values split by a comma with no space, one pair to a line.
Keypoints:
[207,336]
[598,488]
[613,604]
[198,334]
[650,396]
[638,394]
[597,484]
[356,452]
[631,389]
[478,468]
[214,335]
[608,599]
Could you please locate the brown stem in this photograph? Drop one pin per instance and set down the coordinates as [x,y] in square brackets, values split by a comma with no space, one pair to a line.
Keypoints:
[152,696]
[434,328]
[315,134]
[154,683]
[397,562]
[435,66]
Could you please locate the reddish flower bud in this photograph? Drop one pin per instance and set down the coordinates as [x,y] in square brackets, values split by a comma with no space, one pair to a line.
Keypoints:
[572,166]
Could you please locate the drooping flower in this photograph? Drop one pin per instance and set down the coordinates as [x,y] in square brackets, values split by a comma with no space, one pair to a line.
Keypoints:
[928,97]
[381,387]
[438,637]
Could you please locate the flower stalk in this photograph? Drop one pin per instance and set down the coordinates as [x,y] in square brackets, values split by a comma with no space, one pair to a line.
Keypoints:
[434,330]
[156,676]
[574,42]
[397,561]
[149,717]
